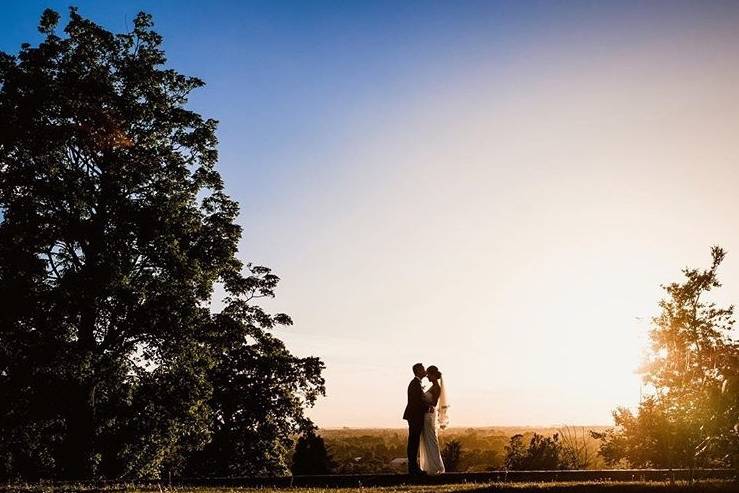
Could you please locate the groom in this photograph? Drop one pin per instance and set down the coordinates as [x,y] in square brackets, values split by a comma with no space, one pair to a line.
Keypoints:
[414,412]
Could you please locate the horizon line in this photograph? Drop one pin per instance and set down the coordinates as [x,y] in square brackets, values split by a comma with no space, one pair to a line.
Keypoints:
[331,428]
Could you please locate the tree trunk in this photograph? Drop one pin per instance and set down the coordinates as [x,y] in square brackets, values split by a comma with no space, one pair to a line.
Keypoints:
[78,459]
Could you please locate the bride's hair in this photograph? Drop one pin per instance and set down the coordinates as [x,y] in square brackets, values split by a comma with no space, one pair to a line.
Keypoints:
[433,370]
[442,404]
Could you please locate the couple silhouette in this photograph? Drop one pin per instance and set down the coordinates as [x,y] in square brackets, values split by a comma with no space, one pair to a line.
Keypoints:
[426,412]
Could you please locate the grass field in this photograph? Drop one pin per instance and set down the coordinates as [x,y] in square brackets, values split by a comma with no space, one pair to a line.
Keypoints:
[712,486]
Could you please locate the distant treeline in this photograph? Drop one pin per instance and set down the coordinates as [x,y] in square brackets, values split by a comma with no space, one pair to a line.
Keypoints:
[366,451]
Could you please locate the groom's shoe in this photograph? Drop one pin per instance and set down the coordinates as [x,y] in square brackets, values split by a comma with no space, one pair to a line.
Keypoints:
[419,475]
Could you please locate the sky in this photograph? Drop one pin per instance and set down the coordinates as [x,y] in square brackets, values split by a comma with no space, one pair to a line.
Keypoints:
[496,188]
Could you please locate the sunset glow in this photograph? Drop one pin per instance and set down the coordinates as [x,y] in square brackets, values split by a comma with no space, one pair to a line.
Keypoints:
[511,222]
[496,190]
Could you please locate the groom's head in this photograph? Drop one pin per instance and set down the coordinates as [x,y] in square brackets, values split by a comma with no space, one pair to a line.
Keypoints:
[418,370]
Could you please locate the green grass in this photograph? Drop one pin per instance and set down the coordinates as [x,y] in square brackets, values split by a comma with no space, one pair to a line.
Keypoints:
[710,486]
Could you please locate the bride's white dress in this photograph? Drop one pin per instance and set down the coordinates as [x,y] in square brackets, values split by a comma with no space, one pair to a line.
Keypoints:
[429,453]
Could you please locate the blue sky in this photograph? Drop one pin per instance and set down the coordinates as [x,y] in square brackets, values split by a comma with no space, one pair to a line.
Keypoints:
[287,76]
[498,188]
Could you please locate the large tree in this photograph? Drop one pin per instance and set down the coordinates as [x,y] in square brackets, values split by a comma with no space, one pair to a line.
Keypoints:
[115,229]
[693,416]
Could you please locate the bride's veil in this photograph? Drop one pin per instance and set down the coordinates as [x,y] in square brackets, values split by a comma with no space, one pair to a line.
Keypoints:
[443,406]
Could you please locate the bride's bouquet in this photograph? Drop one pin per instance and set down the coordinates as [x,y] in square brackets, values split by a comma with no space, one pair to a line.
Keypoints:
[442,417]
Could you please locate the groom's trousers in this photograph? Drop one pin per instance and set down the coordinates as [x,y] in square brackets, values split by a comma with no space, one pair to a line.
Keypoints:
[415,428]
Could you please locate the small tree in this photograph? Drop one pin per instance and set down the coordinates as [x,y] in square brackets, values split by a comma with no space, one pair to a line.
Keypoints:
[542,453]
[693,355]
[515,453]
[451,454]
[311,456]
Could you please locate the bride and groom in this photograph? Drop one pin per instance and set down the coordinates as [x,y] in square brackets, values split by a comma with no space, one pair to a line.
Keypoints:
[426,412]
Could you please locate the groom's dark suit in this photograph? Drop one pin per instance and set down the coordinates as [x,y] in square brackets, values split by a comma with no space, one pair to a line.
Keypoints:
[414,414]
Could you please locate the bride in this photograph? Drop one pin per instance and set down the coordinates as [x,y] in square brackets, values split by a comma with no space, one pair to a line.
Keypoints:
[435,417]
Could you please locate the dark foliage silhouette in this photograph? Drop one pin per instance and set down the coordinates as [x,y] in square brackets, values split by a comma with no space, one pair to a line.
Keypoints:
[542,453]
[451,454]
[115,228]
[577,447]
[311,456]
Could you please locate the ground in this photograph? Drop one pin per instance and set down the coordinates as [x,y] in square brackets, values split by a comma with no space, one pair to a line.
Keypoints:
[584,487]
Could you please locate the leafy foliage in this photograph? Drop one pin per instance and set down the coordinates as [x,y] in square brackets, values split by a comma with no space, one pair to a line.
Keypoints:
[542,453]
[648,439]
[451,454]
[115,228]
[311,456]
[693,416]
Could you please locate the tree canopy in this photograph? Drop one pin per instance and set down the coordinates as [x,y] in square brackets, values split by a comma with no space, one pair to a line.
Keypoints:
[115,229]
